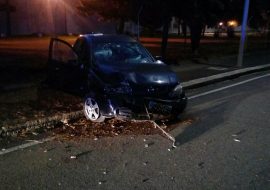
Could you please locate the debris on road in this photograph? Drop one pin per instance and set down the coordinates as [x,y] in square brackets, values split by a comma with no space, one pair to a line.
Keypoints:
[145,180]
[73,157]
[101,182]
[236,140]
[201,165]
[34,133]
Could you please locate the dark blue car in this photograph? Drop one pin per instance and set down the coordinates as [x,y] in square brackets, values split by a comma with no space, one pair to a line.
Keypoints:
[117,76]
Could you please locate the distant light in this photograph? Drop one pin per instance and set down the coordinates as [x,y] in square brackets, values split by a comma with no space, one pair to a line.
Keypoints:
[220,24]
[232,23]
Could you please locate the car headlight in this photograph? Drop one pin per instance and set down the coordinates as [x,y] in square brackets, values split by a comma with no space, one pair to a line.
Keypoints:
[177,92]
[124,88]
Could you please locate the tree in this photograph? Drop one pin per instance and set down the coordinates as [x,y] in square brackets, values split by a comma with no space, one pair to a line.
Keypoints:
[196,14]
[154,14]
[110,10]
[7,8]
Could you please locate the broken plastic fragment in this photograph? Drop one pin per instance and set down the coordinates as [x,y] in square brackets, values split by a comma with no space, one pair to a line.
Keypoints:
[65,121]
[236,140]
[34,133]
[145,180]
[73,157]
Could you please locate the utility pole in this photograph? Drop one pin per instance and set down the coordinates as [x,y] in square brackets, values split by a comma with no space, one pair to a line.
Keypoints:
[243,34]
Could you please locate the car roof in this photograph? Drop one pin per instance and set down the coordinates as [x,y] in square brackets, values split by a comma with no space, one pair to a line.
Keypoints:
[97,38]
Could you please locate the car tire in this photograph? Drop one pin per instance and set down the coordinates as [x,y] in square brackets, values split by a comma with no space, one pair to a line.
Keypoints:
[176,111]
[92,111]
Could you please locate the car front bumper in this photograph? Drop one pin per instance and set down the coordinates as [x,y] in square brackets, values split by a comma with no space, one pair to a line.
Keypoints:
[132,107]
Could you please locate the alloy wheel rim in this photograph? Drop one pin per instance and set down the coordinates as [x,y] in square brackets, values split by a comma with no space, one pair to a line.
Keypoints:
[91,109]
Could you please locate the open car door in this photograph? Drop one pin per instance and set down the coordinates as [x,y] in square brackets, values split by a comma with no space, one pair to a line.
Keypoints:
[62,65]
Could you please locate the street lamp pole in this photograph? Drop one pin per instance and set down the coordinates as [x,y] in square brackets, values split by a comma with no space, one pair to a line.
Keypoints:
[243,34]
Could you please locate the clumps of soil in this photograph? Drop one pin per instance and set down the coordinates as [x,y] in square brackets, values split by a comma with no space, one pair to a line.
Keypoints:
[111,128]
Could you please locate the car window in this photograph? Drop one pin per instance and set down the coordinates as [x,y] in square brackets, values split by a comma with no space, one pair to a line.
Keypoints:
[120,53]
[62,52]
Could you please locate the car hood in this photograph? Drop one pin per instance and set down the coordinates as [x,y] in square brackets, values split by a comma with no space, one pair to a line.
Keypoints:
[138,74]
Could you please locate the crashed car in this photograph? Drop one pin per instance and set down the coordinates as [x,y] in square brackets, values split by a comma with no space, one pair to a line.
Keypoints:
[117,76]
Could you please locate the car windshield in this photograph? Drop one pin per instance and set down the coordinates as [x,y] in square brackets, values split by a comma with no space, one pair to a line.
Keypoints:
[120,53]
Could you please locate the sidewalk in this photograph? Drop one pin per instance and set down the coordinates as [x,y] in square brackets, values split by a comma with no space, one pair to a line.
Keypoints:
[23,106]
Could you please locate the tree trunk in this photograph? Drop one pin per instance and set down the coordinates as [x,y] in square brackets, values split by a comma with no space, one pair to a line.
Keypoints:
[184,29]
[178,27]
[120,28]
[195,32]
[8,24]
[165,35]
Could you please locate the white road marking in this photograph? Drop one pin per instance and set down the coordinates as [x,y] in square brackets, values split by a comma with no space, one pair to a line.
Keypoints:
[226,87]
[26,145]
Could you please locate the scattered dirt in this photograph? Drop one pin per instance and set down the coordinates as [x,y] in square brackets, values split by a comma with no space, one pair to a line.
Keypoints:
[86,129]
[82,128]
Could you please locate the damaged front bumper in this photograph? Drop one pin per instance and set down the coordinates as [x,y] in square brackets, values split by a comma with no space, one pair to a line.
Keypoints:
[128,107]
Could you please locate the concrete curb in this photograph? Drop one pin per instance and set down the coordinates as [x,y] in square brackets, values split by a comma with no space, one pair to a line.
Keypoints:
[223,76]
[49,122]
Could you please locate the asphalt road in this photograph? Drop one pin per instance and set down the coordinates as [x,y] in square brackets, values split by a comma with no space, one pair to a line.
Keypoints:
[223,143]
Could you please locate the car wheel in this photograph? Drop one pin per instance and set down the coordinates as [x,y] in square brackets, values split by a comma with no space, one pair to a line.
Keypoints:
[177,111]
[92,111]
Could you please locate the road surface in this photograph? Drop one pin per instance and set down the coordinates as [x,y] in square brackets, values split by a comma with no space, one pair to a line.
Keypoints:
[223,142]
